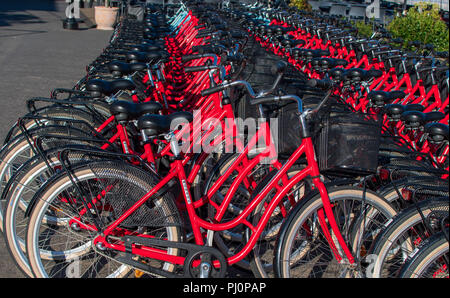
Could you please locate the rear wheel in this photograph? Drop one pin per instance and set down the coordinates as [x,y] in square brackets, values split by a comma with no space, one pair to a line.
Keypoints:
[59,112]
[431,260]
[404,233]
[55,245]
[19,150]
[19,193]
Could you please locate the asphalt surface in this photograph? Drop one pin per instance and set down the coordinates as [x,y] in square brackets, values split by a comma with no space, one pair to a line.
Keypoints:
[36,56]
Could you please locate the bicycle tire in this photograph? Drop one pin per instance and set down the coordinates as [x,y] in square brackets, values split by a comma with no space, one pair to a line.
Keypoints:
[368,203]
[18,151]
[399,237]
[17,195]
[431,260]
[129,179]
[58,112]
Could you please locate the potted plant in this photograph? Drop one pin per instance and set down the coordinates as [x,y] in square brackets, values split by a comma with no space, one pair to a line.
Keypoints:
[105,16]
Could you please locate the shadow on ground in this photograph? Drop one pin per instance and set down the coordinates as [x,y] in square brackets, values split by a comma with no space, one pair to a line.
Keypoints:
[18,12]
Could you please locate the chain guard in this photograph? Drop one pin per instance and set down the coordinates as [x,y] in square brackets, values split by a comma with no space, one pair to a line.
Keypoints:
[194,252]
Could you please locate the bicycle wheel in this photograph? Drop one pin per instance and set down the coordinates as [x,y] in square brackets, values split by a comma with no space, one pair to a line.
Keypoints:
[431,260]
[404,233]
[18,193]
[19,150]
[54,245]
[56,112]
[303,249]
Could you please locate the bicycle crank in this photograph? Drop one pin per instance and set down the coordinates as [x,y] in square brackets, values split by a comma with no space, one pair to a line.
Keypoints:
[200,261]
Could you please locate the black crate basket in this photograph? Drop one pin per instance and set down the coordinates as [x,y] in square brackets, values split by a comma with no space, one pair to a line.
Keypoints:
[289,130]
[348,143]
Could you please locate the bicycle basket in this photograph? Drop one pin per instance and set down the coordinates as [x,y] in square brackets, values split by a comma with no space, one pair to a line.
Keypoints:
[288,137]
[289,131]
[348,143]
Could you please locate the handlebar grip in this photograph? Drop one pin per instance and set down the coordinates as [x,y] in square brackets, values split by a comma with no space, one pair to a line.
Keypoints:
[279,67]
[206,32]
[274,99]
[299,42]
[207,49]
[412,56]
[187,58]
[238,34]
[324,53]
[435,68]
[262,100]
[212,90]
[380,53]
[322,84]
[376,73]
[221,27]
[288,29]
[341,62]
[426,69]
[232,58]
[202,35]
[196,68]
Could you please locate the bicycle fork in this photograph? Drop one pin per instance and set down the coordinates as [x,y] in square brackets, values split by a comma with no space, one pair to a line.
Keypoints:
[327,213]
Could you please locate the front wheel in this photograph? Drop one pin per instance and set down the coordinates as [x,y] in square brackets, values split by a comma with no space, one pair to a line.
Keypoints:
[303,248]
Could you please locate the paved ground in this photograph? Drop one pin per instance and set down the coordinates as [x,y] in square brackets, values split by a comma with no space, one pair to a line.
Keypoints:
[37,55]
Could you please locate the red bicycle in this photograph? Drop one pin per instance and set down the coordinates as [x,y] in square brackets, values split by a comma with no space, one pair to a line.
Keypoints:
[103,230]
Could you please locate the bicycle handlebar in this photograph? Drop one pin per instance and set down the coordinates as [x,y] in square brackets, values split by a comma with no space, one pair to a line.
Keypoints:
[271,99]
[187,58]
[212,90]
[199,68]
[322,84]
[278,68]
[431,68]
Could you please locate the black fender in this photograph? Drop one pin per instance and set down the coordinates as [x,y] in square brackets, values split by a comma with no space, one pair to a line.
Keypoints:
[78,165]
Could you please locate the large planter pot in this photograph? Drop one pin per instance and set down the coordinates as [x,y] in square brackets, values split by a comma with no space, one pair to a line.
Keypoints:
[105,17]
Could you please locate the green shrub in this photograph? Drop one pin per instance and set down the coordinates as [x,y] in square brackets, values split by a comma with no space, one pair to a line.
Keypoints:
[422,22]
[301,4]
[364,29]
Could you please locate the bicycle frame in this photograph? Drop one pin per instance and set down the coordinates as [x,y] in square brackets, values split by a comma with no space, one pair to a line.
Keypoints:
[177,171]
